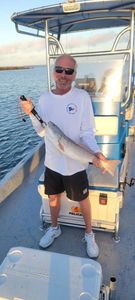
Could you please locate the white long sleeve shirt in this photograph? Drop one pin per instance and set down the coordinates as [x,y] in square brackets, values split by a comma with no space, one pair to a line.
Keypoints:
[73,114]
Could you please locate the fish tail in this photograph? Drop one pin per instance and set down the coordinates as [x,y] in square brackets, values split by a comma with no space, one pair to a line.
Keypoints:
[110,166]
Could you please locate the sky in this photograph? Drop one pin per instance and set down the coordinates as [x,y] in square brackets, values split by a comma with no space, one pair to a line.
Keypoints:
[18,49]
[21,50]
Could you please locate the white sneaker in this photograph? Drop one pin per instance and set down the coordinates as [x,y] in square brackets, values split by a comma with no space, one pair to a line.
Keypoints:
[92,247]
[50,234]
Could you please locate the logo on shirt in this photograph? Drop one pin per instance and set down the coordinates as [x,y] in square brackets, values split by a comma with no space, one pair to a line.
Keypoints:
[71,108]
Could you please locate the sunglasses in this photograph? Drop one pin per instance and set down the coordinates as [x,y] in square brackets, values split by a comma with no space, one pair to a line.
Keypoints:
[68,71]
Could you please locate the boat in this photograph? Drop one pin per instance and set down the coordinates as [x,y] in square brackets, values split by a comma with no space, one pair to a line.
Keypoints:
[105,58]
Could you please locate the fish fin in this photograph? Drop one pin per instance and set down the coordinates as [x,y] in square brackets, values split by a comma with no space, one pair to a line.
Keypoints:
[110,165]
[61,146]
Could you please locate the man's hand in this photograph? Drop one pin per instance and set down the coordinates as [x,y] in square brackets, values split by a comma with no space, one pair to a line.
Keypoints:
[27,106]
[100,155]
[97,161]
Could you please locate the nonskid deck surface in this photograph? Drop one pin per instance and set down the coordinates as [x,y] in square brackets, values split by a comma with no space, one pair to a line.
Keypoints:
[20,226]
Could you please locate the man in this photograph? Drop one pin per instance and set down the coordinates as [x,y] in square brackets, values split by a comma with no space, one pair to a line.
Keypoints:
[71,110]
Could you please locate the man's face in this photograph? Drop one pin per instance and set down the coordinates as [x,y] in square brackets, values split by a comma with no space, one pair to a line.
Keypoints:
[62,74]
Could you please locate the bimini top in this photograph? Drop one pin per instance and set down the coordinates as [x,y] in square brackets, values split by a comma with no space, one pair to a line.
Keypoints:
[76,16]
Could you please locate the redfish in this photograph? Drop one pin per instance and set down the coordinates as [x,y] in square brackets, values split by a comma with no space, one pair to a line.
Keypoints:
[68,147]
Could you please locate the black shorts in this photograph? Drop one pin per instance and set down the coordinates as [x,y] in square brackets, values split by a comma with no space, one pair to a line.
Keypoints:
[76,185]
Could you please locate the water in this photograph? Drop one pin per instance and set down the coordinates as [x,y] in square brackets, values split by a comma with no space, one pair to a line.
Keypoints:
[17,138]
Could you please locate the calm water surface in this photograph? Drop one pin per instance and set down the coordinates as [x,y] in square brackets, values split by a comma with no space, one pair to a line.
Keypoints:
[17,138]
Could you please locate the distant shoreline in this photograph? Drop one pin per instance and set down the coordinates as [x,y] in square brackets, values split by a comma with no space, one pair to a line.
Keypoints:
[15,68]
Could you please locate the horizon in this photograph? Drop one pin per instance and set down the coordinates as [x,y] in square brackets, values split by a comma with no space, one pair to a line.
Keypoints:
[22,66]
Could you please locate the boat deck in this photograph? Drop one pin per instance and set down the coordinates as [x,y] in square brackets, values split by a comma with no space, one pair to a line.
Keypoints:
[20,226]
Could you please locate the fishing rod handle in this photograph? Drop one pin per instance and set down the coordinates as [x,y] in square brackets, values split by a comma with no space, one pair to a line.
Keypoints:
[33,111]
[23,98]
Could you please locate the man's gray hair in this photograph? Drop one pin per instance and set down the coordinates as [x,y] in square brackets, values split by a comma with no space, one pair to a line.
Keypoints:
[67,56]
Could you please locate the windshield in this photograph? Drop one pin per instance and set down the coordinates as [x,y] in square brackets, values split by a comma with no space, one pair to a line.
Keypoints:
[104,77]
[102,70]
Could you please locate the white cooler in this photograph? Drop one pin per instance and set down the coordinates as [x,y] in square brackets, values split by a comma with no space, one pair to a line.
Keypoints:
[28,274]
[105,207]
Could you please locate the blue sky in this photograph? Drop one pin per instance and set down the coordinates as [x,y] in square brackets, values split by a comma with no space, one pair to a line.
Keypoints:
[15,48]
[18,49]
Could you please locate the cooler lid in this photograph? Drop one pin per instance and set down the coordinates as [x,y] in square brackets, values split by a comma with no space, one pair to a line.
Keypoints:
[29,274]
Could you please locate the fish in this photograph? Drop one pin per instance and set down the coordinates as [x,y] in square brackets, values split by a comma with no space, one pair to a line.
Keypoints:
[71,149]
[76,151]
